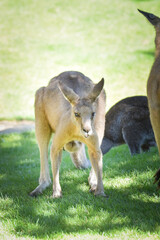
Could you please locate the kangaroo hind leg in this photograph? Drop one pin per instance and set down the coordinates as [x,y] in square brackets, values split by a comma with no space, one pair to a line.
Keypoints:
[56,157]
[43,134]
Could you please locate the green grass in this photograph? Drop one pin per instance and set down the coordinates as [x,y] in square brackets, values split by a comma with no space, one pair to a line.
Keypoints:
[131,212]
[40,39]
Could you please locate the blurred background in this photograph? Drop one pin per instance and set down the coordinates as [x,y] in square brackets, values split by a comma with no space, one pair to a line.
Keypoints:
[40,39]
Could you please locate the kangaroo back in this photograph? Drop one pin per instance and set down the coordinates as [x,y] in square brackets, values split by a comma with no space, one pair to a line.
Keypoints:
[76,81]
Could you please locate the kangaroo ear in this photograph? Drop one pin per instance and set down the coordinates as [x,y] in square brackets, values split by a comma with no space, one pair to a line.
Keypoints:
[96,90]
[68,93]
[151,17]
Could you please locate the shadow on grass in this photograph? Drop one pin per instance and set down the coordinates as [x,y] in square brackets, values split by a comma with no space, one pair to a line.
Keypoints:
[78,211]
[120,212]
[122,163]
[150,53]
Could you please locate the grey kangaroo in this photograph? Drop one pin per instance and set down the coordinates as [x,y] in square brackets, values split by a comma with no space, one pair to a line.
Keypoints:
[73,108]
[153,86]
[128,122]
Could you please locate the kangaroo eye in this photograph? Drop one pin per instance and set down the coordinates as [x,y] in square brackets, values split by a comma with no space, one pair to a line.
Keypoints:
[93,114]
[151,16]
[77,114]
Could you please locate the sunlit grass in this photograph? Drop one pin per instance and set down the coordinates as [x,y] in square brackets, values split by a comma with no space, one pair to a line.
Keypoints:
[40,39]
[130,212]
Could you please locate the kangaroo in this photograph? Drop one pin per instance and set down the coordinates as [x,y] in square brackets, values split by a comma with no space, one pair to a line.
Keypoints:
[128,122]
[153,86]
[73,108]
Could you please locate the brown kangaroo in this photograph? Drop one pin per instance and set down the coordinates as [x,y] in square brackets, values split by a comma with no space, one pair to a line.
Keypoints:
[153,86]
[73,108]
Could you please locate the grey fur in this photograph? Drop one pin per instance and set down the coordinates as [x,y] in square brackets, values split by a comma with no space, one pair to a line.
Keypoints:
[128,122]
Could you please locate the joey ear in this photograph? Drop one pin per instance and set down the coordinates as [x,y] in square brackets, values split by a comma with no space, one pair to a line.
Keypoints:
[68,93]
[151,17]
[96,90]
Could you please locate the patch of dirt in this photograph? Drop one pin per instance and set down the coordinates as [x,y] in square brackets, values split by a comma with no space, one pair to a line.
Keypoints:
[7,127]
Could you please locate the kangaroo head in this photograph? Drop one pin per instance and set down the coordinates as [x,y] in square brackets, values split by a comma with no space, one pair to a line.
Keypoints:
[155,21]
[83,109]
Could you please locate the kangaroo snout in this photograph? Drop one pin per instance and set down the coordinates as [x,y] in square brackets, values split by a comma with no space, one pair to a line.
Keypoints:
[87,131]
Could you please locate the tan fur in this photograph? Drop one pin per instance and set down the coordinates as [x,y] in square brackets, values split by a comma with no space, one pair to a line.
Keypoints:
[153,86]
[68,94]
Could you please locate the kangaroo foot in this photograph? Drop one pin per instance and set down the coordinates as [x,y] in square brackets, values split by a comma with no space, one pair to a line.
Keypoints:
[57,194]
[100,193]
[38,190]
[93,188]
[157,178]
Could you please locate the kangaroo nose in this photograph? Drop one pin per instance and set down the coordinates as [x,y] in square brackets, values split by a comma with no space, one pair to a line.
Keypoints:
[85,130]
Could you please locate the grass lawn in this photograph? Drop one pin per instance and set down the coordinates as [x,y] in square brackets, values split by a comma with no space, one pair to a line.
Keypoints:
[131,212]
[40,39]
[104,38]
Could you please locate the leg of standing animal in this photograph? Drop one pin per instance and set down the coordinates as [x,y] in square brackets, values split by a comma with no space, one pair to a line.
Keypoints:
[56,156]
[43,134]
[56,161]
[95,178]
